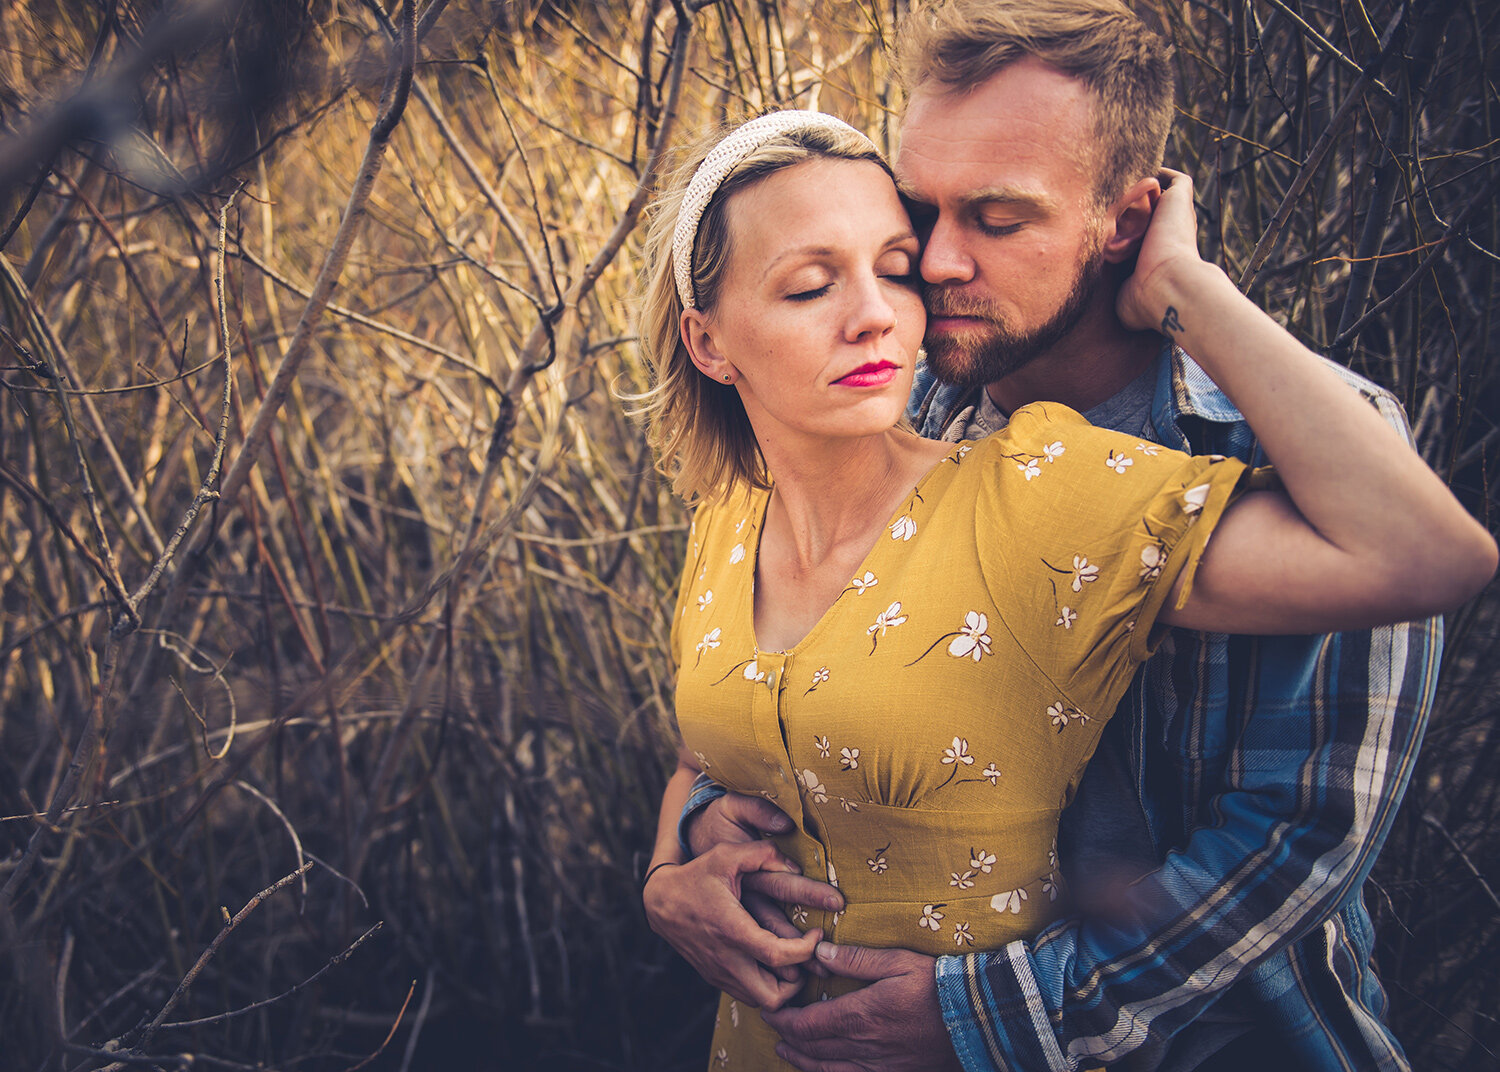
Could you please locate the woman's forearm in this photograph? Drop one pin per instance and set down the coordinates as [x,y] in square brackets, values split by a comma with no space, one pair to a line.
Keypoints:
[668,849]
[1357,485]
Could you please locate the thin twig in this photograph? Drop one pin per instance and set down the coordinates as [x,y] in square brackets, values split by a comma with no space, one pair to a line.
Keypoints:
[303,985]
[208,954]
[206,490]
[389,1035]
[393,99]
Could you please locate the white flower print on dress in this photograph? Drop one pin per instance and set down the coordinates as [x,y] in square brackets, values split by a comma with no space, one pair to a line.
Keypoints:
[903,528]
[877,863]
[973,642]
[860,584]
[1150,450]
[1084,572]
[703,763]
[814,787]
[961,935]
[1062,715]
[1194,499]
[799,915]
[721,1058]
[1049,886]
[970,641]
[886,619]
[849,758]
[1066,617]
[848,805]
[960,454]
[1118,462]
[705,599]
[1009,901]
[963,881]
[734,1012]
[709,642]
[821,744]
[981,861]
[833,876]
[1029,469]
[753,672]
[958,752]
[992,772]
[1054,451]
[931,917]
[736,554]
[820,675]
[1153,558]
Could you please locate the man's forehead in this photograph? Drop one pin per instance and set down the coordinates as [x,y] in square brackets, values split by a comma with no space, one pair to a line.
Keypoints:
[1012,139]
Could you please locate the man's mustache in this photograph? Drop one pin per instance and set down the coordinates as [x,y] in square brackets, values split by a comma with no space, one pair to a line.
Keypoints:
[947,301]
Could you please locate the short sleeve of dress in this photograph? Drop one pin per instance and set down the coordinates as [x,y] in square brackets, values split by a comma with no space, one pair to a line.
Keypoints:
[1084,532]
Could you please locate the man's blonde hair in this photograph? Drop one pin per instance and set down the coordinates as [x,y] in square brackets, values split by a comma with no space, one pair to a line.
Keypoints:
[699,428]
[960,44]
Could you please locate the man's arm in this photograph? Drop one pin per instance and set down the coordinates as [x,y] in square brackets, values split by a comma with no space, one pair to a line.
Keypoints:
[1301,822]
[1312,787]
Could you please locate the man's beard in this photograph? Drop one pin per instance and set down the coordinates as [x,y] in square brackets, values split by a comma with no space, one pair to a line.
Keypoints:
[996,349]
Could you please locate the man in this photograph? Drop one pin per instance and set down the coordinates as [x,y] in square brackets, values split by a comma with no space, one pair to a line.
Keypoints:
[1235,805]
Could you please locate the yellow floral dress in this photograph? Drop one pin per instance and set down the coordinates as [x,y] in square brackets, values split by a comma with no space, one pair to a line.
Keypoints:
[926,733]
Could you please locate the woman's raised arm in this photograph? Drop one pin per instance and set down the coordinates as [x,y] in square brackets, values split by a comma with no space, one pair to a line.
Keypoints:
[1366,533]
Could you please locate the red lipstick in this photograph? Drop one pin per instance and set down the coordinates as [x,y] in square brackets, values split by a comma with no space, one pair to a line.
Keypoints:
[874,374]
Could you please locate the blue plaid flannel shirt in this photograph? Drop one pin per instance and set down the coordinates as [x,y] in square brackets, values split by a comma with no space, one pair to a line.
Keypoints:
[1268,771]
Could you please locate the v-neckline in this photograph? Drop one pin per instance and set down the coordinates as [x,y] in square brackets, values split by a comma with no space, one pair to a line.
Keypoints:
[904,509]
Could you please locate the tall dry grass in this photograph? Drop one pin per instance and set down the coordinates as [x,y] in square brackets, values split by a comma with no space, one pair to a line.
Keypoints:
[414,633]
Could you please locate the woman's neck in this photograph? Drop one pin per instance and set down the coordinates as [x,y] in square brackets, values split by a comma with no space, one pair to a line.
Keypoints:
[824,499]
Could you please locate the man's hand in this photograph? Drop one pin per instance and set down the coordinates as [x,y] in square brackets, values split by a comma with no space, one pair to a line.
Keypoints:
[736,819]
[696,907]
[1169,246]
[894,1025]
[733,819]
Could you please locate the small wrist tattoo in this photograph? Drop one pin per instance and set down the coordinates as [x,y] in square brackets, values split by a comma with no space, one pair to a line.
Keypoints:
[1170,323]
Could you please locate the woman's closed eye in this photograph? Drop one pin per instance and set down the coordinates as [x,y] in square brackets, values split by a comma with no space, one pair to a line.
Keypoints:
[809,295]
[900,268]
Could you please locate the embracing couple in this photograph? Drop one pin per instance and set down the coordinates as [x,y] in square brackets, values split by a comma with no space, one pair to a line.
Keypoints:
[1057,726]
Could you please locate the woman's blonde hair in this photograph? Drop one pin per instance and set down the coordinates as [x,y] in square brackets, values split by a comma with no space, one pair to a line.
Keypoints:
[698,428]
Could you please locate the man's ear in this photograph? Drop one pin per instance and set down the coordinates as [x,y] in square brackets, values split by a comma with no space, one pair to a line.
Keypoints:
[697,335]
[1127,218]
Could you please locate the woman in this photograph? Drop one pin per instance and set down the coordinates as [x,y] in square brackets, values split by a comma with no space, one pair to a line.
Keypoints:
[857,600]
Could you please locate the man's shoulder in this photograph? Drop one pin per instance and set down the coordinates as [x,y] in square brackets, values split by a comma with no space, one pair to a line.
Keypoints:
[1194,394]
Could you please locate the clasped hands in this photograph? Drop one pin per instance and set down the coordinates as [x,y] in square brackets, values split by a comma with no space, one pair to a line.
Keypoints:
[721,911]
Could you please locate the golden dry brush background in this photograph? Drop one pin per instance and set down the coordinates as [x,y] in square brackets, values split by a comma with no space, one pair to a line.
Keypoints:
[334,697]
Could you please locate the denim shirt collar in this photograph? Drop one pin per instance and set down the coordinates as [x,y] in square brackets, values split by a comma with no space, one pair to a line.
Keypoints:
[1183,389]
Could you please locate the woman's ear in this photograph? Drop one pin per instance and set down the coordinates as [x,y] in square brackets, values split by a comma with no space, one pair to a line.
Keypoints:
[1127,218]
[697,335]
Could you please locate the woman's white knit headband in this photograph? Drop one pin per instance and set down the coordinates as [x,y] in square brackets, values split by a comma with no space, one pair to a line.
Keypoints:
[716,167]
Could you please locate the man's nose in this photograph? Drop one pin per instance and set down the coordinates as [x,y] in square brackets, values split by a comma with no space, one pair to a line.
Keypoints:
[944,258]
